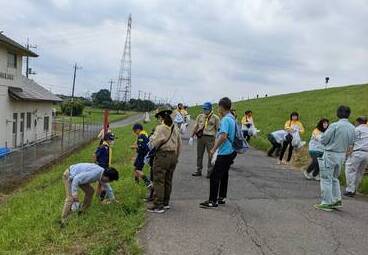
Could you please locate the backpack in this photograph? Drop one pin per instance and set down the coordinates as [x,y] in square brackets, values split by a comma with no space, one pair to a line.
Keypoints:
[240,145]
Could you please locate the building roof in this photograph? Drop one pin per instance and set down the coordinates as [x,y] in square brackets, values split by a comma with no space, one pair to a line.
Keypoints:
[32,91]
[13,45]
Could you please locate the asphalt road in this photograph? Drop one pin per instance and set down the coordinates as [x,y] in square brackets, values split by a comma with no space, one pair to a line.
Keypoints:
[269,211]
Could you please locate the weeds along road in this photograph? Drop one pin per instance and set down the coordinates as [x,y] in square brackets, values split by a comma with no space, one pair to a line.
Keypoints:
[269,211]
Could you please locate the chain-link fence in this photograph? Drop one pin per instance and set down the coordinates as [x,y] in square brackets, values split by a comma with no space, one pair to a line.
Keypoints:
[66,135]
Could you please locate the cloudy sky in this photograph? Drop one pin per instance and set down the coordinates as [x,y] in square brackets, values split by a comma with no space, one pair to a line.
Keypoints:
[193,51]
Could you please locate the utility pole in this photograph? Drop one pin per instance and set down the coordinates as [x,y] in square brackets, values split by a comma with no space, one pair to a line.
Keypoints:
[76,67]
[29,70]
[111,82]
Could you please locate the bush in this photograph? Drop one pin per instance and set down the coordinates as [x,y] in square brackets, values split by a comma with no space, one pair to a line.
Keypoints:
[76,106]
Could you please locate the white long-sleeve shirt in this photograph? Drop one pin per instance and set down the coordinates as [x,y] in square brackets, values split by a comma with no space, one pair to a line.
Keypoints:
[84,173]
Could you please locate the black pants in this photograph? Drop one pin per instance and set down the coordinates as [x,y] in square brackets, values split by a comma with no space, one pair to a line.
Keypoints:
[314,166]
[275,146]
[220,176]
[285,145]
[246,135]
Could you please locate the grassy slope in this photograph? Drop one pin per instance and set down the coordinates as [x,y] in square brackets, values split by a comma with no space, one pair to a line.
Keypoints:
[28,218]
[271,113]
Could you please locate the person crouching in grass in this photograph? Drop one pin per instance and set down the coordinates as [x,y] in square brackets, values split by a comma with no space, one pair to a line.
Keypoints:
[338,140]
[142,149]
[82,175]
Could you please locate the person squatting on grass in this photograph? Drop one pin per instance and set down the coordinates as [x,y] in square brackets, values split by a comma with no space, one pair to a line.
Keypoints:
[337,139]
[225,158]
[357,162]
[276,138]
[293,127]
[82,175]
[248,127]
[167,142]
[316,150]
[205,129]
[141,147]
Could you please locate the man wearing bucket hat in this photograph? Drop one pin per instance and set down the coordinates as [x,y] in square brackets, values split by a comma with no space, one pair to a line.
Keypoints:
[205,129]
[358,160]
[167,142]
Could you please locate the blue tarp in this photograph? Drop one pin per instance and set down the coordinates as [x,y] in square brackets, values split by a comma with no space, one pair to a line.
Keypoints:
[4,151]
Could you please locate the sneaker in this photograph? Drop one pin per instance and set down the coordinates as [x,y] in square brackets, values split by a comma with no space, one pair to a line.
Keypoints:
[307,175]
[167,207]
[337,205]
[326,208]
[208,204]
[349,194]
[156,210]
[197,173]
[317,178]
[149,185]
[221,201]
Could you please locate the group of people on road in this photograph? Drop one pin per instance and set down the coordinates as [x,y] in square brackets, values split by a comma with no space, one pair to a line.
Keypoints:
[330,147]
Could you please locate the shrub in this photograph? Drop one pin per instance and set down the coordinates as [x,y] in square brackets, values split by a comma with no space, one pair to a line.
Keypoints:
[72,106]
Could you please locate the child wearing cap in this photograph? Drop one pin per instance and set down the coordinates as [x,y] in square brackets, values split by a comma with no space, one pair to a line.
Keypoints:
[142,149]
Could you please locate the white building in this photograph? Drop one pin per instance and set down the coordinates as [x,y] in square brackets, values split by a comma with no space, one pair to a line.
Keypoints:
[25,107]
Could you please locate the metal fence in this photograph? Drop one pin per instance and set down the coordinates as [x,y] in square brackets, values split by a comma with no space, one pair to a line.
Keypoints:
[65,137]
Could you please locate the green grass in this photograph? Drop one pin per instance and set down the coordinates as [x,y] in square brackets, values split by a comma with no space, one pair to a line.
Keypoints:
[28,217]
[95,115]
[271,113]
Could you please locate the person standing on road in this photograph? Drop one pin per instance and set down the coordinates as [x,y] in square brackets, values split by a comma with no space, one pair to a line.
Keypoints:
[82,175]
[167,142]
[206,127]
[338,139]
[357,162]
[179,118]
[316,150]
[276,138]
[294,127]
[225,158]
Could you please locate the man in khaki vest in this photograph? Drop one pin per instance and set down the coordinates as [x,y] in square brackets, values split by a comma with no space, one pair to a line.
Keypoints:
[206,127]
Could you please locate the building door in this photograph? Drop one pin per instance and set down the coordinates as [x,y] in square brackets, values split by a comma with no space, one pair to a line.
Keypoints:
[15,129]
[21,124]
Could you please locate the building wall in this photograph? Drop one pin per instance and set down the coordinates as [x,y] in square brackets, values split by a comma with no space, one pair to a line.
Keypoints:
[36,132]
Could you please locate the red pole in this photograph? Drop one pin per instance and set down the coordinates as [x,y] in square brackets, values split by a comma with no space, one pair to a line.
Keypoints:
[106,120]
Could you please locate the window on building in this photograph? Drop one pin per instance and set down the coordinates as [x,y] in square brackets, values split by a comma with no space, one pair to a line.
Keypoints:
[15,123]
[22,115]
[46,123]
[29,120]
[12,60]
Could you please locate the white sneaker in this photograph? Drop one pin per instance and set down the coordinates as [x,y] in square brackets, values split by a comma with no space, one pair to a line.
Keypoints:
[167,207]
[317,178]
[307,175]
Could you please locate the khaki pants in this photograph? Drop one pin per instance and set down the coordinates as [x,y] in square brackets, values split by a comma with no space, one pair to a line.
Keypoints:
[163,170]
[205,143]
[87,189]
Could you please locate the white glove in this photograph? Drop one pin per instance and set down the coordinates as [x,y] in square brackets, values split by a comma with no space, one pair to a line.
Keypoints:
[190,141]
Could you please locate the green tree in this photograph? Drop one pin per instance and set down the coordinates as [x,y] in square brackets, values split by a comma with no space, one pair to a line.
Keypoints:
[69,106]
[102,98]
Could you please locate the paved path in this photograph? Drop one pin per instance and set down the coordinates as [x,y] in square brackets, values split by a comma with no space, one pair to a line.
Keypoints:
[269,212]
[128,121]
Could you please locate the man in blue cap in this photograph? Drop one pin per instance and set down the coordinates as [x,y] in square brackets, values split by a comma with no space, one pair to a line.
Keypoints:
[206,127]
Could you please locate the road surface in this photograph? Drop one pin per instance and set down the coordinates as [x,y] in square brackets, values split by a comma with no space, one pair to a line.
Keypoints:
[269,211]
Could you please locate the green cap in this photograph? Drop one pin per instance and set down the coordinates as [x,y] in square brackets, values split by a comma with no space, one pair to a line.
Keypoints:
[163,111]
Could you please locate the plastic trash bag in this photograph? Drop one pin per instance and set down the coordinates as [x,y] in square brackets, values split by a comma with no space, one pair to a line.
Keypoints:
[296,139]
[183,128]
[191,140]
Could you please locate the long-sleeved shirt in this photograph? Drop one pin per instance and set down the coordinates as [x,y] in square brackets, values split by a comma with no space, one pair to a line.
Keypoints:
[338,137]
[294,125]
[361,138]
[208,123]
[279,135]
[84,173]
[315,141]
[162,134]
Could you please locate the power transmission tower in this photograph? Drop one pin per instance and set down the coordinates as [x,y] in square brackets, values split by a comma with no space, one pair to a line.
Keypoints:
[124,87]
[29,70]
[139,94]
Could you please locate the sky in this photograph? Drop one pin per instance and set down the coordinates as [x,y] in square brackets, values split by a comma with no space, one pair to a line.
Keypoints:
[194,51]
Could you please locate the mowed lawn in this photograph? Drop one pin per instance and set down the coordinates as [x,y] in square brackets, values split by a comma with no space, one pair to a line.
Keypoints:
[271,113]
[29,217]
[95,115]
